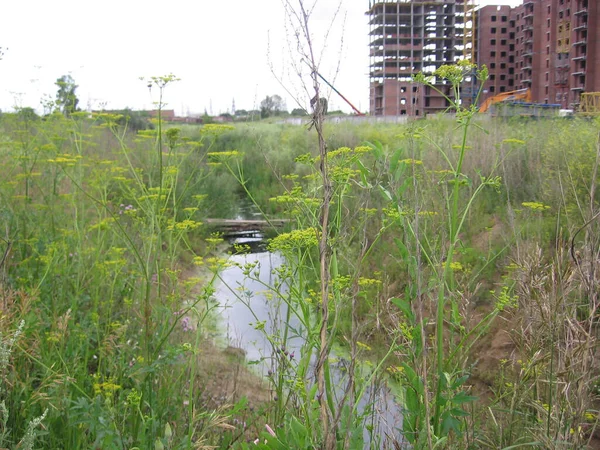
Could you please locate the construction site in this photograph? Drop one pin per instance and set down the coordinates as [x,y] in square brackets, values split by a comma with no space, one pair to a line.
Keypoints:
[408,37]
[542,52]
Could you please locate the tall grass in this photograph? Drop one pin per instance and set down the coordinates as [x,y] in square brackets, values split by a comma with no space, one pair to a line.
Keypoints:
[433,235]
[97,222]
[447,210]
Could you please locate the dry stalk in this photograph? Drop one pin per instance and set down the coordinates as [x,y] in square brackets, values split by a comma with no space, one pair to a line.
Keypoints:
[557,341]
[300,15]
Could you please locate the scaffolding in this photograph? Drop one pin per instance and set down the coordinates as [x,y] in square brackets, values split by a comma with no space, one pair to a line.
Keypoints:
[412,36]
[469,33]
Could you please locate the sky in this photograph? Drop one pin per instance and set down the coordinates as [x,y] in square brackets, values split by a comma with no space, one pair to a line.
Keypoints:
[227,53]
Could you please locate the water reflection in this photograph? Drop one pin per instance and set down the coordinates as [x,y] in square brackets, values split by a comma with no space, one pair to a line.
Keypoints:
[246,302]
[250,314]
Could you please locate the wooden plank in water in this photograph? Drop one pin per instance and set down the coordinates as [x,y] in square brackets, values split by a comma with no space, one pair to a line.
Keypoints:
[245,225]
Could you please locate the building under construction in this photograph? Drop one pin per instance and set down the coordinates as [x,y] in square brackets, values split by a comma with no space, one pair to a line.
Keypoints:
[408,37]
[551,47]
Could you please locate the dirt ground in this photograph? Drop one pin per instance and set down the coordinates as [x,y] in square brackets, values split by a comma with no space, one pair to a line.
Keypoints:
[223,373]
[228,378]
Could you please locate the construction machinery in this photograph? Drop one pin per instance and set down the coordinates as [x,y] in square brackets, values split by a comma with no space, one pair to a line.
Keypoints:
[590,104]
[526,109]
[521,95]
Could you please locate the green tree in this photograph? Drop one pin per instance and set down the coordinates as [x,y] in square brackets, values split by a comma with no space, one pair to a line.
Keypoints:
[299,112]
[27,114]
[134,120]
[66,99]
[272,105]
[206,118]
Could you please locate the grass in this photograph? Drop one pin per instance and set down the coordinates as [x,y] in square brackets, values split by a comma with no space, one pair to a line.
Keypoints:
[100,227]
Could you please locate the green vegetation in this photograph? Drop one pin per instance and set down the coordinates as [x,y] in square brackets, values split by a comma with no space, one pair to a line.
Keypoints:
[66,98]
[463,267]
[272,105]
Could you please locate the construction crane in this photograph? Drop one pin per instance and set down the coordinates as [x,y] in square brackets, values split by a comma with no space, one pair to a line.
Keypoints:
[523,95]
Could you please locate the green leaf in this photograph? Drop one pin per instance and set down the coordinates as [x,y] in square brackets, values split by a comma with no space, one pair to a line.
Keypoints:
[442,400]
[410,420]
[459,382]
[385,193]
[412,401]
[446,379]
[409,428]
[410,372]
[410,291]
[377,149]
[440,443]
[268,442]
[457,412]
[404,306]
[417,341]
[462,398]
[313,391]
[297,427]
[405,184]
[394,160]
[239,406]
[168,431]
[353,426]
[449,423]
[414,381]
[299,432]
[404,254]
[363,174]
[412,268]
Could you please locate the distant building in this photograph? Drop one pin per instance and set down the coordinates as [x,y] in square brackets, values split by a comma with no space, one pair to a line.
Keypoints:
[187,119]
[495,47]
[551,47]
[168,115]
[223,118]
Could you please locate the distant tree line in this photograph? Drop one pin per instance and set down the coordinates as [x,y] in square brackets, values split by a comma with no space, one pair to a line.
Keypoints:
[272,105]
[67,102]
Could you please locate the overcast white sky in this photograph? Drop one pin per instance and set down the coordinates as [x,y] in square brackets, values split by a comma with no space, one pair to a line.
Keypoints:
[221,49]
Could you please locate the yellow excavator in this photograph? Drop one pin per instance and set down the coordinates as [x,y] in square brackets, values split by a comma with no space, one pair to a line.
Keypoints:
[523,95]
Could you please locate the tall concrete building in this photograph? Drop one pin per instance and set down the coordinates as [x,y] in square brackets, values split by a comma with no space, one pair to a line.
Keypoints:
[551,47]
[412,36]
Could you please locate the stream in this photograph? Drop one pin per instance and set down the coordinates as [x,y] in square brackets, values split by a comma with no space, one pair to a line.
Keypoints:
[243,302]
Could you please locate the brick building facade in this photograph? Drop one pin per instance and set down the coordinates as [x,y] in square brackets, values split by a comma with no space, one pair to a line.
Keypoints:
[495,47]
[551,47]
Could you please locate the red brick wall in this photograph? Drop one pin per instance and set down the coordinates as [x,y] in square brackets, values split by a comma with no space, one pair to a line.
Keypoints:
[493,48]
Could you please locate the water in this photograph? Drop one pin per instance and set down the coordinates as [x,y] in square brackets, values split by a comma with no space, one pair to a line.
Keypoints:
[244,302]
